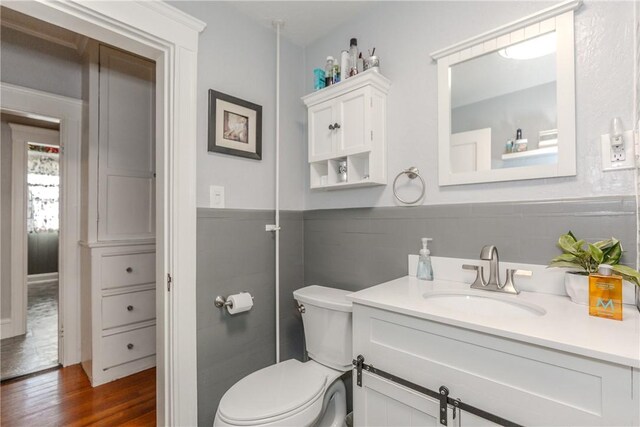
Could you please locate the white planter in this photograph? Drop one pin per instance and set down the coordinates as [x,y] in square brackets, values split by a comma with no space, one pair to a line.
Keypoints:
[577,287]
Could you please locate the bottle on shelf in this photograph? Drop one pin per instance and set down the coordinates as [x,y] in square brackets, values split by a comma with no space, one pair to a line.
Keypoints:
[353,57]
[328,71]
[344,64]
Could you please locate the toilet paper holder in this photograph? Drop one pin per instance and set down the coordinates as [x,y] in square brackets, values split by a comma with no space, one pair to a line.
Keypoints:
[222,302]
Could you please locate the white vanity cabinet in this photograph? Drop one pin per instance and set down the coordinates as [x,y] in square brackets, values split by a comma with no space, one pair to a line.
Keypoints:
[118,214]
[524,383]
[347,123]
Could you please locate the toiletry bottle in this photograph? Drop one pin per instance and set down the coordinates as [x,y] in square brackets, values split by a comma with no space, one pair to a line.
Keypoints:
[328,71]
[425,270]
[336,73]
[605,293]
[344,64]
[353,58]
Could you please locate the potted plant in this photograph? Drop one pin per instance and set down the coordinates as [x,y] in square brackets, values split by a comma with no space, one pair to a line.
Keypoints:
[585,258]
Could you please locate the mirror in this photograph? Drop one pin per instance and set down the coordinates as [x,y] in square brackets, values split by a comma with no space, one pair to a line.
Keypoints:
[507,104]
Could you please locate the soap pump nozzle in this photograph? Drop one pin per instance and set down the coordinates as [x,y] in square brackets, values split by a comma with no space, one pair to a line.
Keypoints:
[425,242]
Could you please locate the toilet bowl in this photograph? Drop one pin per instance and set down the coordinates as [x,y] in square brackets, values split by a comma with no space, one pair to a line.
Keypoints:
[290,393]
[293,393]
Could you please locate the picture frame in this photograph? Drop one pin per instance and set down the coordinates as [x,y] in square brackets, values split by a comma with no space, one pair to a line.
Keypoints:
[235,126]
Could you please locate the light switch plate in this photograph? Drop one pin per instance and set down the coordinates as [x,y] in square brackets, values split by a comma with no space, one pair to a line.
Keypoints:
[216,196]
[629,144]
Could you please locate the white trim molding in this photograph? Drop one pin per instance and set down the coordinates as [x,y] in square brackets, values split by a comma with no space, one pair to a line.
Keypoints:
[542,15]
[42,278]
[68,112]
[160,32]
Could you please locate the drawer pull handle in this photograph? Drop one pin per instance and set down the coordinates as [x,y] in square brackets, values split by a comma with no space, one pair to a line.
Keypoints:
[129,308]
[129,270]
[129,346]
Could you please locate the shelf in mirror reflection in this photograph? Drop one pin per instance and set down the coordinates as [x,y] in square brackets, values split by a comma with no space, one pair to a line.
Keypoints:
[538,152]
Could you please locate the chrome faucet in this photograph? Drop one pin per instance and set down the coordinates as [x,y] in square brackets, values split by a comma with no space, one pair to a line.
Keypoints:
[490,253]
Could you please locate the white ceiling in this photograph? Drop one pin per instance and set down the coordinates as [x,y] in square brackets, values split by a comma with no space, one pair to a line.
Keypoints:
[305,21]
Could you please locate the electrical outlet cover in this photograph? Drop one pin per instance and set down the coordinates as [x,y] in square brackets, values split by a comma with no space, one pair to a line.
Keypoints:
[608,161]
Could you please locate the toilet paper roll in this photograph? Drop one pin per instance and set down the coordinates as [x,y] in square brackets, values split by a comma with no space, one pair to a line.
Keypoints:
[240,303]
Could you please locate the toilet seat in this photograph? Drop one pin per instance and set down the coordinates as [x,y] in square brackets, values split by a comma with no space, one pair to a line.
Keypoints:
[276,393]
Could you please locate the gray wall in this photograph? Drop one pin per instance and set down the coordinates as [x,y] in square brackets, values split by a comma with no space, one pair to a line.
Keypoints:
[42,250]
[404,33]
[39,64]
[357,248]
[236,254]
[5,220]
[237,56]
[532,110]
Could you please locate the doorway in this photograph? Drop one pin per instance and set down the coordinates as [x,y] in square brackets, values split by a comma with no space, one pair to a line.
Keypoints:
[160,32]
[30,250]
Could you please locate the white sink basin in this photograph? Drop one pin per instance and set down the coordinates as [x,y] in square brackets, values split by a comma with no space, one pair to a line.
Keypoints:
[484,303]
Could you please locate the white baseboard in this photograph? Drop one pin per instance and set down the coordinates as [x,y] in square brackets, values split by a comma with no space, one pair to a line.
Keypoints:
[6,328]
[41,279]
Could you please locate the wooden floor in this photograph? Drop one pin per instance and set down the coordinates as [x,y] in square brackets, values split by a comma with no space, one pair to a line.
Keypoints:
[64,397]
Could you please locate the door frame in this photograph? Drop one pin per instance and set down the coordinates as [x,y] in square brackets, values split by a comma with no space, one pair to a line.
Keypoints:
[21,135]
[160,32]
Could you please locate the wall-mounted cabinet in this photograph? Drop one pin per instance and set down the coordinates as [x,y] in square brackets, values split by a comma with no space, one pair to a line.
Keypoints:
[347,126]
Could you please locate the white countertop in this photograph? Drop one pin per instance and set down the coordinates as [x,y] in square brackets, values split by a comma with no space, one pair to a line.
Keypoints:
[566,326]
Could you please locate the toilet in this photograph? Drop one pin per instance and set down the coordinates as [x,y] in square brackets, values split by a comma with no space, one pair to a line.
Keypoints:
[293,393]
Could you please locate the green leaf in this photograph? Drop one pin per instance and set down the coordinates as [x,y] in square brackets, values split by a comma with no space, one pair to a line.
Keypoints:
[613,254]
[578,246]
[570,234]
[628,273]
[566,243]
[596,253]
[565,257]
[565,264]
[605,244]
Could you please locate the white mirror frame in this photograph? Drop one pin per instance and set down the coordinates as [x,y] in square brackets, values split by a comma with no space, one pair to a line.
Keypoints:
[558,18]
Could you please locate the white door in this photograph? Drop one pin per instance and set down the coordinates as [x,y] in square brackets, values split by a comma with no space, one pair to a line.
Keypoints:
[126,196]
[380,402]
[321,130]
[352,115]
[471,151]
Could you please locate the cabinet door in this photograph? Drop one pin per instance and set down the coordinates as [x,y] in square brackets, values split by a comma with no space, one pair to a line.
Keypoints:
[380,402]
[353,115]
[126,184]
[321,137]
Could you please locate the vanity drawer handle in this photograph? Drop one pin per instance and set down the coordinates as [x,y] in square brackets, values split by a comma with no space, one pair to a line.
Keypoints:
[129,270]
[130,346]
[129,308]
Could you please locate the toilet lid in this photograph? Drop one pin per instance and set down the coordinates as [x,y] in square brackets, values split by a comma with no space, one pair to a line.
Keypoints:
[272,391]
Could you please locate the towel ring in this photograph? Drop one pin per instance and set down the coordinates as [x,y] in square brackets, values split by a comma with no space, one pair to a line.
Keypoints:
[412,173]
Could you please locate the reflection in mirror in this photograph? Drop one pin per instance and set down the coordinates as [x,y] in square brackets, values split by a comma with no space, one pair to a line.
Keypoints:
[504,108]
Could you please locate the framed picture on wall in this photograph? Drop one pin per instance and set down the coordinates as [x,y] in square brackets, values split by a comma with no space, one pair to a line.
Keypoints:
[235,126]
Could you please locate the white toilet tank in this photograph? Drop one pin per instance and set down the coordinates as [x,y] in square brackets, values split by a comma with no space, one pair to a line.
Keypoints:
[327,325]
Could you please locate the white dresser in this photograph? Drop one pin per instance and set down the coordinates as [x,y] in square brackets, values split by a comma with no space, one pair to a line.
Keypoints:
[118,193]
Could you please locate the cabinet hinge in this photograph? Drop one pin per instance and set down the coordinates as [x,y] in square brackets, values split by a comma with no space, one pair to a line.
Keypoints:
[372,135]
[169,280]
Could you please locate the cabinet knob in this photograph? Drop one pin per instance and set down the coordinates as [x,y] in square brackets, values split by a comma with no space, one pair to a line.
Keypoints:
[336,126]
[129,346]
[331,127]
[129,308]
[129,270]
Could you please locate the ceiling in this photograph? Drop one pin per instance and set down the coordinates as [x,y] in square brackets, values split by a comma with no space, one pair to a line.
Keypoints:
[305,21]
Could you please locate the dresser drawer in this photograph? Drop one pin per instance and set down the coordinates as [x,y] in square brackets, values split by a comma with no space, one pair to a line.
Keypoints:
[126,270]
[128,346]
[124,309]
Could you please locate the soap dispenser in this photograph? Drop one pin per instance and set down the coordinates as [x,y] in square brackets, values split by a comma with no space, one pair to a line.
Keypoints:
[425,270]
